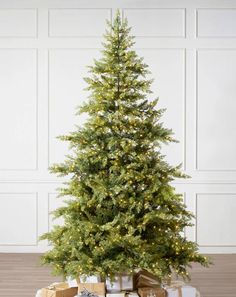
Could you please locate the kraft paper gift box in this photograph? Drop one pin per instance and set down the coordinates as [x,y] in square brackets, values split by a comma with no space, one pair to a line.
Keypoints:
[59,290]
[96,288]
[123,294]
[144,279]
[180,290]
[119,294]
[123,282]
[146,291]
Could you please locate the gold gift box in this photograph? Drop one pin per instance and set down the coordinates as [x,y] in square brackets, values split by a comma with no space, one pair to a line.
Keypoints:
[59,290]
[144,279]
[96,288]
[144,292]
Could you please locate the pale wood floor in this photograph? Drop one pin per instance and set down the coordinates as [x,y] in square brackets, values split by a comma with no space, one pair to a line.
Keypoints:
[21,275]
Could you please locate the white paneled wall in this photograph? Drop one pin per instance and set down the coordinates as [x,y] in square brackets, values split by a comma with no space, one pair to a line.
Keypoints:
[216,90]
[18,22]
[45,46]
[18,112]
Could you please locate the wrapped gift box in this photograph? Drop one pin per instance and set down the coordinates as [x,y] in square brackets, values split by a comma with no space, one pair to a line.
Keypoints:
[89,279]
[59,290]
[132,294]
[181,291]
[122,282]
[93,279]
[121,294]
[143,278]
[72,282]
[96,288]
[146,291]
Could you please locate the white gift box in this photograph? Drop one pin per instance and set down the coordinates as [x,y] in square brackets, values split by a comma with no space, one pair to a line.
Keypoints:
[92,279]
[187,291]
[72,282]
[120,283]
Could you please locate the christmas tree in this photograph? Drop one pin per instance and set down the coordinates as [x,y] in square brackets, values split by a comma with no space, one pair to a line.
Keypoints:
[121,212]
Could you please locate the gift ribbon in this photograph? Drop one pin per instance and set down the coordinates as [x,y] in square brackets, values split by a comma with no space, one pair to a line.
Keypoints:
[121,283]
[176,285]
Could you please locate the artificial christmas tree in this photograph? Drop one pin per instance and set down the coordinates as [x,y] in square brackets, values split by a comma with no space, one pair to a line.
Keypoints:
[121,213]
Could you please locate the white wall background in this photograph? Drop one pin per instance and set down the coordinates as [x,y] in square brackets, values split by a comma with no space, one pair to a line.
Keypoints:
[44,48]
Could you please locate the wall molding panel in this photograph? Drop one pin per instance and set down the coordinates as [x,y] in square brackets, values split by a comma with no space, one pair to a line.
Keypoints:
[18,23]
[77,22]
[45,46]
[160,22]
[216,22]
[19,110]
[216,232]
[214,154]
[19,212]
